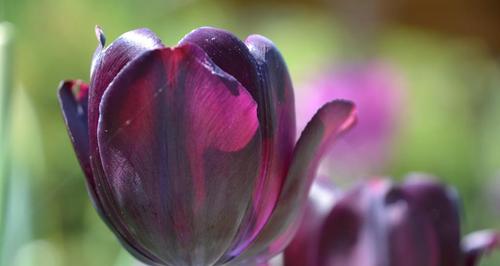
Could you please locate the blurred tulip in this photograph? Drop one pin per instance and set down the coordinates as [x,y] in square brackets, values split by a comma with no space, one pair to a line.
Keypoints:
[380,223]
[376,89]
[189,152]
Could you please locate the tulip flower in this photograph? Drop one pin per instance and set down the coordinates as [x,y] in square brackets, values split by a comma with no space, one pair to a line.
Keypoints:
[189,152]
[379,223]
[377,89]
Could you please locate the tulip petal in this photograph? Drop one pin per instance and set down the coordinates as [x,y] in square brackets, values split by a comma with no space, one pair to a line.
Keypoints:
[229,53]
[440,203]
[73,99]
[106,64]
[376,224]
[109,61]
[411,232]
[476,244]
[278,109]
[332,120]
[259,67]
[180,146]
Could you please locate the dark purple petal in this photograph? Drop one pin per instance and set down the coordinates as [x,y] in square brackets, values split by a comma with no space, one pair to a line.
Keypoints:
[476,244]
[230,54]
[440,204]
[332,120]
[180,145]
[259,67]
[411,233]
[73,99]
[376,224]
[109,61]
[303,250]
[106,64]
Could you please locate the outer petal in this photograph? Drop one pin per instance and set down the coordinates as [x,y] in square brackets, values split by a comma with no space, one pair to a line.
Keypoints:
[106,65]
[108,62]
[330,121]
[260,68]
[73,99]
[180,147]
[440,204]
[477,244]
[303,250]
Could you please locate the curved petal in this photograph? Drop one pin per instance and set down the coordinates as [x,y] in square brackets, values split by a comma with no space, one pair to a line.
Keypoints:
[73,99]
[332,120]
[303,250]
[106,64]
[109,61]
[476,244]
[228,53]
[259,67]
[182,186]
[440,204]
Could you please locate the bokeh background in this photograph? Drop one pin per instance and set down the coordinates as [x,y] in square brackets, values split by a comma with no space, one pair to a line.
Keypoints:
[444,54]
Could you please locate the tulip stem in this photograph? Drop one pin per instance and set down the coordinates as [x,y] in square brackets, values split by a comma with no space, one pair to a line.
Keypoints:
[5,88]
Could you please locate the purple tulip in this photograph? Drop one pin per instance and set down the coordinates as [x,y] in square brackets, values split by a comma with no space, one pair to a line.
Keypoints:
[189,152]
[381,224]
[377,90]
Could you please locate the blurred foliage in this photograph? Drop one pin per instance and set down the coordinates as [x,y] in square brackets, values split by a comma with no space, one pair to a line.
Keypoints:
[451,120]
[5,84]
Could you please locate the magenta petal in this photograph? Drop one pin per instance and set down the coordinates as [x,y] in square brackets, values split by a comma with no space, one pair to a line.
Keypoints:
[440,204]
[229,53]
[259,67]
[332,120]
[180,145]
[476,244]
[278,119]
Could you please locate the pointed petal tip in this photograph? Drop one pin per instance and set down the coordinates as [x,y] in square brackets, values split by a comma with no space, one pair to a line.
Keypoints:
[99,33]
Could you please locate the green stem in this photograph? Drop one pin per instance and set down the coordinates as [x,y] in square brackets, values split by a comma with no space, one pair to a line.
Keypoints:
[5,89]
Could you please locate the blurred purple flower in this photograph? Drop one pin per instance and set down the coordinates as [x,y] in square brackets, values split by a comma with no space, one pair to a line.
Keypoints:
[189,152]
[377,91]
[379,223]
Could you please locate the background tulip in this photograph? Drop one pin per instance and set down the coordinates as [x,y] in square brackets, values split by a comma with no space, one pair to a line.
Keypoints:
[377,89]
[189,152]
[380,223]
